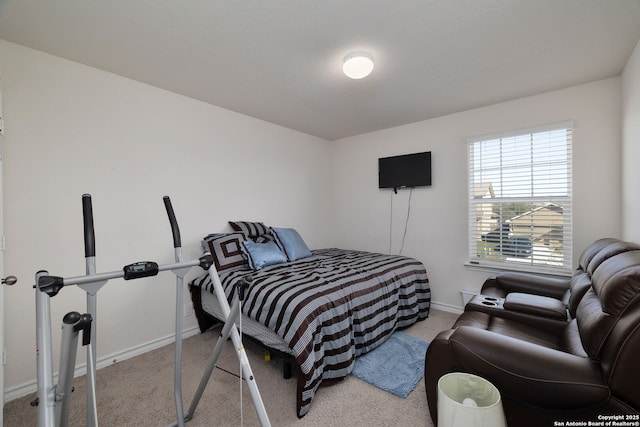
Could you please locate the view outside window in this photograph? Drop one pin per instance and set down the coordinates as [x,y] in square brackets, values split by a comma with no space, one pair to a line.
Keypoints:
[520,200]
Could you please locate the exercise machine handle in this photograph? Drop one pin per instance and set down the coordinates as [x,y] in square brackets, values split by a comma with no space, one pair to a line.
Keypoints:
[174,224]
[89,235]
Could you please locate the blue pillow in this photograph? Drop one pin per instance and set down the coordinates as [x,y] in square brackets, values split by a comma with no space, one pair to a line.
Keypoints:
[261,255]
[292,244]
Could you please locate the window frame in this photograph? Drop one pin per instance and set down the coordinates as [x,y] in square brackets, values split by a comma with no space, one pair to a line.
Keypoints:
[535,264]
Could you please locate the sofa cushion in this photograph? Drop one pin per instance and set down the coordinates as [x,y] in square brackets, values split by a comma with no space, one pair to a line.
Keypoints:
[509,328]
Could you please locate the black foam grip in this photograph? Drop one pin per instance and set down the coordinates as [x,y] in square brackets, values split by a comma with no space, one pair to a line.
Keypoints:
[85,323]
[174,224]
[89,236]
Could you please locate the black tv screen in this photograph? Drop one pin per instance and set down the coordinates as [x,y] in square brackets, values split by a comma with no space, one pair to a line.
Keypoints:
[409,170]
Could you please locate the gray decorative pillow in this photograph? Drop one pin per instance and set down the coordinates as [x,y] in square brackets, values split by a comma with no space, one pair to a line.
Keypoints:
[267,237]
[249,229]
[226,250]
[207,238]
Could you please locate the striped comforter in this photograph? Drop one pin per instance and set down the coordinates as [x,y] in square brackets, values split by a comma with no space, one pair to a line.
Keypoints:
[332,307]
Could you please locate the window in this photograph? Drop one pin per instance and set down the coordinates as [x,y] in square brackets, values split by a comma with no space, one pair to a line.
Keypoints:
[520,200]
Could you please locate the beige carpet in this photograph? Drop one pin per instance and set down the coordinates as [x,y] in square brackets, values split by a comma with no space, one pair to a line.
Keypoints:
[139,391]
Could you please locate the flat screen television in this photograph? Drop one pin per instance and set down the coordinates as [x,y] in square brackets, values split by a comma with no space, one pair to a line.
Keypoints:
[408,170]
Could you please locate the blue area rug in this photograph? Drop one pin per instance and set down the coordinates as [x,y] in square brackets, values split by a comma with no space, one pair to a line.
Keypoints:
[396,366]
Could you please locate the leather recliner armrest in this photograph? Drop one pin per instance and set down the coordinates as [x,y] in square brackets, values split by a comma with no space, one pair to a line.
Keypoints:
[536,305]
[529,283]
[528,372]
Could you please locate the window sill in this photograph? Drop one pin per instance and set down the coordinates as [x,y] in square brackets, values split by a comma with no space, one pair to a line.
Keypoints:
[496,268]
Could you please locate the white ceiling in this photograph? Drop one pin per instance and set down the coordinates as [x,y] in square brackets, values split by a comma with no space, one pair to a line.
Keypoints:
[280,60]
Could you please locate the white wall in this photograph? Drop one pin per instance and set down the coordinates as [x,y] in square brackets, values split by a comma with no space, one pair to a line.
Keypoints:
[631,147]
[71,129]
[437,232]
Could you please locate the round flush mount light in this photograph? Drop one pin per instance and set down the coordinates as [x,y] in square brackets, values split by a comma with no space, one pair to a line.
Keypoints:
[358,65]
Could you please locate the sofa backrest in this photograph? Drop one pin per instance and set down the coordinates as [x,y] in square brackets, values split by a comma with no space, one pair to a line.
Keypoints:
[608,318]
[590,259]
[612,249]
[579,285]
[592,250]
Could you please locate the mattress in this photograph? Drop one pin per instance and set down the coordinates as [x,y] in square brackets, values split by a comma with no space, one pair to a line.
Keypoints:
[250,327]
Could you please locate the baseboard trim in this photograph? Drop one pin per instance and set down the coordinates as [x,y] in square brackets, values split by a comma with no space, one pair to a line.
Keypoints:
[29,387]
[446,307]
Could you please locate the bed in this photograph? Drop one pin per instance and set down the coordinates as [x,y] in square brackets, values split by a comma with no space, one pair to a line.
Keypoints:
[324,308]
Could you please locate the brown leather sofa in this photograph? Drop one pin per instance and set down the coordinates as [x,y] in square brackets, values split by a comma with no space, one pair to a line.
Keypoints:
[558,350]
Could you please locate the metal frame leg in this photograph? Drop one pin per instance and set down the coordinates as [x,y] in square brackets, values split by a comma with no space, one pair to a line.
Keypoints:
[230,330]
[92,309]
[44,362]
[68,352]
[229,325]
[92,405]
[177,372]
[54,401]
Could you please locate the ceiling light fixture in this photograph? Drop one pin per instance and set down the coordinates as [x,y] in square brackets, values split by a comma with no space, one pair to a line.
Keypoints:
[358,65]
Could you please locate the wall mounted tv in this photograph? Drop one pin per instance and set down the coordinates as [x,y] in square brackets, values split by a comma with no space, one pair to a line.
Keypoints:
[408,170]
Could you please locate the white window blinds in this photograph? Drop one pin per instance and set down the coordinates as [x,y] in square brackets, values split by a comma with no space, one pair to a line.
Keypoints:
[520,200]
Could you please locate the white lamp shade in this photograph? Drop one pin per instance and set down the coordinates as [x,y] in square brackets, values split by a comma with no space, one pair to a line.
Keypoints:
[466,400]
[358,65]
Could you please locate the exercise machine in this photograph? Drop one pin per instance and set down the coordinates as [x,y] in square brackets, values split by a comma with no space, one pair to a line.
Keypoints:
[53,401]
